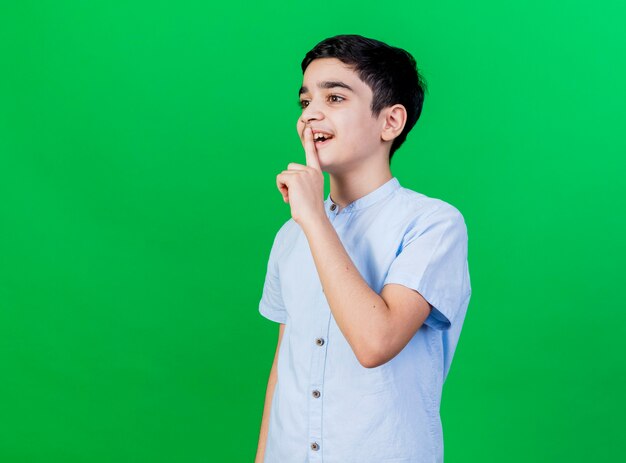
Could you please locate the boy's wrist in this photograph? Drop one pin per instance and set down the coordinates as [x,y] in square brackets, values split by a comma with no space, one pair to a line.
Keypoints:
[315,224]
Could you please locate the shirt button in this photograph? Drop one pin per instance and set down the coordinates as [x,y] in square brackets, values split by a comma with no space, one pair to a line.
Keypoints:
[316,393]
[333,207]
[315,446]
[319,341]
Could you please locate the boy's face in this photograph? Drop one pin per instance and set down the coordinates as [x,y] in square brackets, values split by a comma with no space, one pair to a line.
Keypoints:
[336,101]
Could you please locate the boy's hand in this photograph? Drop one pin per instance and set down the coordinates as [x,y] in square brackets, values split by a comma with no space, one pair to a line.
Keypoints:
[303,186]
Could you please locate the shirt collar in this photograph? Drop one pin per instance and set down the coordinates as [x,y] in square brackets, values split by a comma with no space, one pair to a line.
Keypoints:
[372,197]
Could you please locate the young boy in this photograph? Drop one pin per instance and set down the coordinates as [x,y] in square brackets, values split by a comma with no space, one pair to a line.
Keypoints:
[370,286]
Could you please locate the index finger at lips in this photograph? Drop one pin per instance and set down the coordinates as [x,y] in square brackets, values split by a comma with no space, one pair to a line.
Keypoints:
[309,144]
[309,148]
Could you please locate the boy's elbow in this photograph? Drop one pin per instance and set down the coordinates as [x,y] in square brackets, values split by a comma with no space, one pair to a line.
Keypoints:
[372,357]
[370,363]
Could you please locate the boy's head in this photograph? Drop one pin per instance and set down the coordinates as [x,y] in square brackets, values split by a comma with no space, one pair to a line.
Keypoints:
[389,80]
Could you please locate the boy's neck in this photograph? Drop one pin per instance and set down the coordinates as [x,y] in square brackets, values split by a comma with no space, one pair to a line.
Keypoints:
[347,188]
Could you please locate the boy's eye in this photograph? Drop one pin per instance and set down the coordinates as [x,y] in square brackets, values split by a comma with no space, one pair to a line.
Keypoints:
[332,98]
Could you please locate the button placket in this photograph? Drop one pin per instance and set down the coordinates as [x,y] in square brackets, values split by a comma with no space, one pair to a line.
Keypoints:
[316,386]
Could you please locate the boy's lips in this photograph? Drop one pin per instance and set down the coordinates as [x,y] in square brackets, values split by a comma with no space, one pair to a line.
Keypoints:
[320,142]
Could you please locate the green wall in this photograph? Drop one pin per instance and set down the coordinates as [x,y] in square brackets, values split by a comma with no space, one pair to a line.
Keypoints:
[139,145]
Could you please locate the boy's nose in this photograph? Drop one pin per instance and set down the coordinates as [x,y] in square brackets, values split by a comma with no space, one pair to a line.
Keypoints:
[311,113]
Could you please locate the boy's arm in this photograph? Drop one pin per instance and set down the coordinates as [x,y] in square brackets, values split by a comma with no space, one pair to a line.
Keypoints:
[377,326]
[273,378]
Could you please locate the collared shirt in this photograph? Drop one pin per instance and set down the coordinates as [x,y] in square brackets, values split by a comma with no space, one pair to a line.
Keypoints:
[326,406]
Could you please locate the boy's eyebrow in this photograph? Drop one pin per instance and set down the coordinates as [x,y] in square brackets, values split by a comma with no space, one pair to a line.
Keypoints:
[328,84]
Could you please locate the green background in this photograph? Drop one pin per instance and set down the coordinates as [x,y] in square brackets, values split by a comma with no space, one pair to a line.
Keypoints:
[139,145]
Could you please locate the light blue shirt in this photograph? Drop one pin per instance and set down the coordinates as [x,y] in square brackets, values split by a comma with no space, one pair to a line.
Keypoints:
[326,406]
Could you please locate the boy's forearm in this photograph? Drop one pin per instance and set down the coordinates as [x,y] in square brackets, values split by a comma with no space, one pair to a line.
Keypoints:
[361,314]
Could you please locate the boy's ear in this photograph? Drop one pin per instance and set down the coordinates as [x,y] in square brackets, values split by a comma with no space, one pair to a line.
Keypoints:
[394,119]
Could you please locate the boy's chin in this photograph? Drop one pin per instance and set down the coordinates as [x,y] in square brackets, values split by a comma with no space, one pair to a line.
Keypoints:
[328,163]
[325,158]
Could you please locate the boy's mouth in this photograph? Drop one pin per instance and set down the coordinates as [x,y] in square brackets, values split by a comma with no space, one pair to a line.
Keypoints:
[322,138]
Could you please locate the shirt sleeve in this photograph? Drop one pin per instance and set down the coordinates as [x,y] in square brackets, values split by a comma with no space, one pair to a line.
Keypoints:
[271,305]
[433,261]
